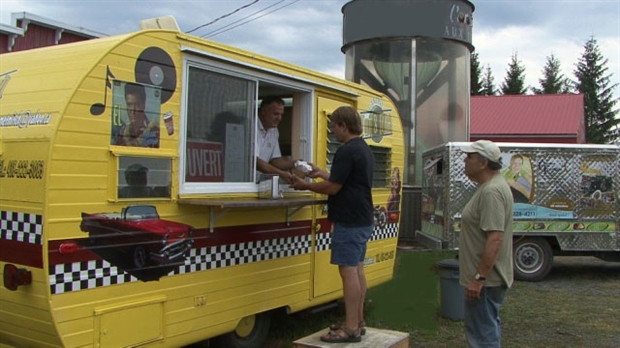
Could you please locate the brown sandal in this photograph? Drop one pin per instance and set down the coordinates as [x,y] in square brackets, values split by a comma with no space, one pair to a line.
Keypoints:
[349,336]
[338,326]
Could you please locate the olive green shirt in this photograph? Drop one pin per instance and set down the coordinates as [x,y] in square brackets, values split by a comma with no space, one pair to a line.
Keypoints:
[489,209]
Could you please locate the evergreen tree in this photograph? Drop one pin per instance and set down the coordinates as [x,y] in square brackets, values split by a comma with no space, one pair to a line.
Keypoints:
[475,86]
[514,83]
[488,85]
[553,81]
[601,122]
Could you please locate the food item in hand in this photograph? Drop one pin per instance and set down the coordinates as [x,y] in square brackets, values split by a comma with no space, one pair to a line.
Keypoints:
[303,167]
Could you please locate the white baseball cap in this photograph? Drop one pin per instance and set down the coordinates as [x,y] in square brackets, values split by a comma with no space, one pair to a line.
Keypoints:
[485,148]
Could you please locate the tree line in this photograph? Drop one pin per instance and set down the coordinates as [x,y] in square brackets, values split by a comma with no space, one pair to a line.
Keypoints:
[591,80]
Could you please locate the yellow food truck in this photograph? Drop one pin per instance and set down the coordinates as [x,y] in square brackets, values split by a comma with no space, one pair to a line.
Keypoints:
[127,223]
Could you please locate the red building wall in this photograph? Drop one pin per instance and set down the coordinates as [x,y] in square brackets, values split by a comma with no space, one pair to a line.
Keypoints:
[39,36]
[40,32]
[36,36]
[4,43]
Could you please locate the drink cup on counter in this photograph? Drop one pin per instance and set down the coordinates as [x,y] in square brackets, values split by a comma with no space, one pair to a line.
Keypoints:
[168,121]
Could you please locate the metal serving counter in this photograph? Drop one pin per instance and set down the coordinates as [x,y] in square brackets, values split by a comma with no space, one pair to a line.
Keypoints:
[291,204]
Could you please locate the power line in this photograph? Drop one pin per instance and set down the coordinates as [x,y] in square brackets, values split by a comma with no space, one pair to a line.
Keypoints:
[221,30]
[224,16]
[217,31]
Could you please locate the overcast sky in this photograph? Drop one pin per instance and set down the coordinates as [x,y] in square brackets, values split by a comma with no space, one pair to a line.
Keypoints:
[309,32]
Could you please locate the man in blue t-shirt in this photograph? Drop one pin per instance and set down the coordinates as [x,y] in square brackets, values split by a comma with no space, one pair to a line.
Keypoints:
[350,209]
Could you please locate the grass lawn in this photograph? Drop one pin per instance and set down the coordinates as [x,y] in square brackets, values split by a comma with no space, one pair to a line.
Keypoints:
[578,305]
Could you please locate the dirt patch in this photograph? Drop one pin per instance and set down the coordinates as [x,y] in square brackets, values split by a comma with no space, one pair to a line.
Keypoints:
[411,245]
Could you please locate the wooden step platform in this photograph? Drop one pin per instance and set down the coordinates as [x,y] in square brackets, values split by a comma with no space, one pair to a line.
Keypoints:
[374,338]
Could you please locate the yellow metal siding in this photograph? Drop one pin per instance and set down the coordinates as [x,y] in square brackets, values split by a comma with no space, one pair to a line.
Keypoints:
[228,293]
[25,313]
[81,177]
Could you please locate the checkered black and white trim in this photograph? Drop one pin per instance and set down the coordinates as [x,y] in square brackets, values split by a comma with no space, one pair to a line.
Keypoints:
[86,275]
[244,253]
[323,240]
[387,232]
[91,274]
[21,227]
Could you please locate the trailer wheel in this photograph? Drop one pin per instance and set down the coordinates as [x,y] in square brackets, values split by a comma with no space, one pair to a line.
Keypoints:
[533,259]
[251,332]
[140,257]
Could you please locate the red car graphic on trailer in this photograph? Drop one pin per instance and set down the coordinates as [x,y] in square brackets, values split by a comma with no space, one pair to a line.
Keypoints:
[138,231]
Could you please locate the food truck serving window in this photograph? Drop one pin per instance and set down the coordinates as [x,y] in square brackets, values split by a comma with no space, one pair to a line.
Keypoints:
[218,128]
[220,110]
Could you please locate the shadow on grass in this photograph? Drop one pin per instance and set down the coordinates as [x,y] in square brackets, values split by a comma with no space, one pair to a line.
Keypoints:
[410,302]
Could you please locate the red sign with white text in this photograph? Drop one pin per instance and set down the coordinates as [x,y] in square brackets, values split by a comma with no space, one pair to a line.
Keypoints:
[205,162]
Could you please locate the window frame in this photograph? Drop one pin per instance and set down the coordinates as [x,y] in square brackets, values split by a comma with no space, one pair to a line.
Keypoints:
[302,122]
[139,156]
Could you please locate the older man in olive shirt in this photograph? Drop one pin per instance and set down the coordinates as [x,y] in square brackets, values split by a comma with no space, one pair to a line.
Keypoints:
[485,245]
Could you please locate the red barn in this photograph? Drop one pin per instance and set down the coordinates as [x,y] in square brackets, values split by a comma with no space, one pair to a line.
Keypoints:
[543,118]
[32,31]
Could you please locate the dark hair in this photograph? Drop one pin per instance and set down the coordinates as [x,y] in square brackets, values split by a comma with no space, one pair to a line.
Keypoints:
[135,89]
[349,117]
[492,165]
[269,100]
[495,165]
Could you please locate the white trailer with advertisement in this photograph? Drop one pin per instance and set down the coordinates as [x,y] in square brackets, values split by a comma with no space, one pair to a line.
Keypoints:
[566,201]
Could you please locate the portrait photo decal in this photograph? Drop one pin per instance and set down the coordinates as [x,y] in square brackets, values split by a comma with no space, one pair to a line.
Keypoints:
[135,114]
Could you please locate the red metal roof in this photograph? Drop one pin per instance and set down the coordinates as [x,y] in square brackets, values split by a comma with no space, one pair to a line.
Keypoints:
[528,115]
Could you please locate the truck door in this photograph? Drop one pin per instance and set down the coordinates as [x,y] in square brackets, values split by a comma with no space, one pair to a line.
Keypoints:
[326,276]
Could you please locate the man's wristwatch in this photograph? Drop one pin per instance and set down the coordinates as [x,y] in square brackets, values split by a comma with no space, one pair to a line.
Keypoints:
[480,278]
